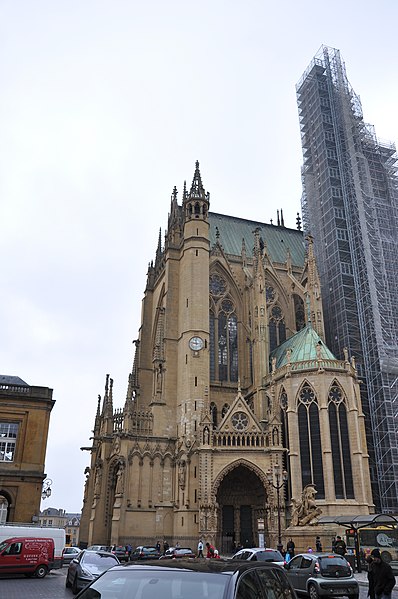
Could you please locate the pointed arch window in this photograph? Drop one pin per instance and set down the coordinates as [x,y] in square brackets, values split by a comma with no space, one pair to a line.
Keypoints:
[277,328]
[213,414]
[299,312]
[340,443]
[310,440]
[225,409]
[223,332]
[283,402]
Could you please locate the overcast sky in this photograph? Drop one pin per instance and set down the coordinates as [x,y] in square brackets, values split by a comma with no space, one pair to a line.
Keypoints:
[105,105]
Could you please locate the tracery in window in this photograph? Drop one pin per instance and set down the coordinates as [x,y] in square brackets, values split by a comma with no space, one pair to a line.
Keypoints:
[310,440]
[277,328]
[223,332]
[340,443]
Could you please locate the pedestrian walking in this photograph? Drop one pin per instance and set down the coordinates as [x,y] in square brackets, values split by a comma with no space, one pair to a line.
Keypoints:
[165,546]
[290,547]
[383,577]
[128,549]
[318,544]
[158,546]
[340,547]
[200,548]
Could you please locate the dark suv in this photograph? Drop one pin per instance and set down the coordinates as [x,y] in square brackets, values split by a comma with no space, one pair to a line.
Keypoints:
[188,579]
[320,574]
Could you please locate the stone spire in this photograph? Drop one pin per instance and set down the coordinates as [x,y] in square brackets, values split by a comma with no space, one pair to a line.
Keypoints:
[197,189]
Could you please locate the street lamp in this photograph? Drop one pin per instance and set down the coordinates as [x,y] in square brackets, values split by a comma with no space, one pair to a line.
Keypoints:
[46,490]
[280,480]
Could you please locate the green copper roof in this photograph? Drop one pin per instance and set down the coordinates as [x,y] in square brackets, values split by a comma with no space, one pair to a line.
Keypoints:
[278,239]
[303,346]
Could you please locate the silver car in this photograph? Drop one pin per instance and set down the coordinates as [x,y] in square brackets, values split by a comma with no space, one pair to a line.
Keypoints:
[322,574]
[260,554]
[69,553]
[87,566]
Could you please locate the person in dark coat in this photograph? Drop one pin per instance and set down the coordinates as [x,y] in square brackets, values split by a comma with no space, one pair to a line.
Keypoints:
[340,547]
[290,547]
[371,584]
[383,577]
[318,544]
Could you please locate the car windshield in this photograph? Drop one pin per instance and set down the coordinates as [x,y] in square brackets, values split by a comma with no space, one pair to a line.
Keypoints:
[100,560]
[268,556]
[146,584]
[182,551]
[333,565]
[150,549]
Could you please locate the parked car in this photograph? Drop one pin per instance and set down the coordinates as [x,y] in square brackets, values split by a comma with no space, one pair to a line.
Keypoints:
[87,566]
[99,548]
[179,552]
[320,574]
[145,552]
[32,556]
[69,553]
[260,554]
[173,579]
[121,553]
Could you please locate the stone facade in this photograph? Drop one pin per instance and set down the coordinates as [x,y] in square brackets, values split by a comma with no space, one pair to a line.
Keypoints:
[24,421]
[232,390]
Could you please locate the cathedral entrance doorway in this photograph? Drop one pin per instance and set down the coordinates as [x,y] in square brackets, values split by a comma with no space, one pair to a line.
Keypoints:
[241,498]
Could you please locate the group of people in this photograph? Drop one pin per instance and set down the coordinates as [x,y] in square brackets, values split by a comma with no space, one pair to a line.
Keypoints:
[211,551]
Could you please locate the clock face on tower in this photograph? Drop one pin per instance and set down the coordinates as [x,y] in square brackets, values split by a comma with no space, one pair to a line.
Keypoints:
[196,343]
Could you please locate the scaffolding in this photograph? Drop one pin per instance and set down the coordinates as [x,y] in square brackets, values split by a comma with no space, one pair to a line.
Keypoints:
[349,206]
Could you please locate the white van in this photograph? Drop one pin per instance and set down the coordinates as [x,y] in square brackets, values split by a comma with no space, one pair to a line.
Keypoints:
[8,531]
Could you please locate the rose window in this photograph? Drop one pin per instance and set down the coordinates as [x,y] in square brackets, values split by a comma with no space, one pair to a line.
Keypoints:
[240,421]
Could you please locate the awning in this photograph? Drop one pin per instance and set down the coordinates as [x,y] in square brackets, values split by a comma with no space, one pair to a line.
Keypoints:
[360,521]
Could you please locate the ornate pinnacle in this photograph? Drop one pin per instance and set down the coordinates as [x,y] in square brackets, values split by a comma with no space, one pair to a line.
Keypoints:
[197,189]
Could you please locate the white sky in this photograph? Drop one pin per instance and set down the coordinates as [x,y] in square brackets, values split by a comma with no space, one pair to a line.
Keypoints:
[105,105]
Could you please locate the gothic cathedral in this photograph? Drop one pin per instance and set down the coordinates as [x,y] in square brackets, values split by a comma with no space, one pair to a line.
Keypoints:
[239,422]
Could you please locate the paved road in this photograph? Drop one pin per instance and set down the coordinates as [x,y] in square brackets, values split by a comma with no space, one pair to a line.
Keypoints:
[53,587]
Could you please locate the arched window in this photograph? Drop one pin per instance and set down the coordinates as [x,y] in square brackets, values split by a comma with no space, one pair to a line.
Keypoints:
[277,328]
[283,402]
[225,409]
[340,442]
[213,414]
[223,332]
[3,509]
[299,312]
[310,440]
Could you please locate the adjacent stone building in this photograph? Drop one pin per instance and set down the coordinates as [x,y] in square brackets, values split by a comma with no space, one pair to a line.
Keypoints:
[238,421]
[24,421]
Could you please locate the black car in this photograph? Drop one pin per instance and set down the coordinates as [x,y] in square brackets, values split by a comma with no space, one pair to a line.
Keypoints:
[121,553]
[322,574]
[187,579]
[87,566]
[144,552]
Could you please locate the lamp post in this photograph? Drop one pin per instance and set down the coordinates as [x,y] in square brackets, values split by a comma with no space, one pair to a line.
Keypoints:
[46,490]
[280,480]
